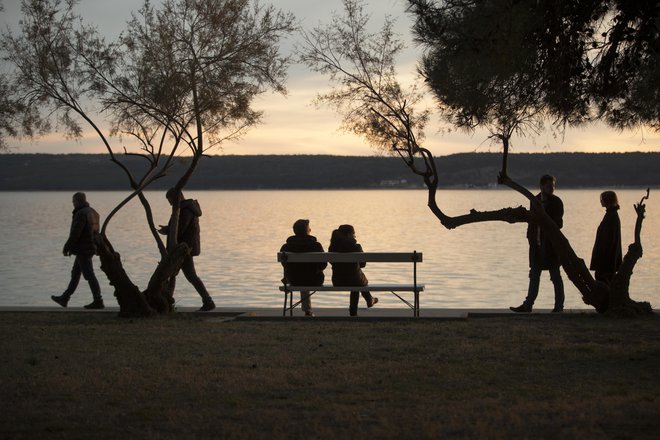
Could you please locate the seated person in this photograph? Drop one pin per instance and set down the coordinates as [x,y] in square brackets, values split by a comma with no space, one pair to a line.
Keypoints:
[349,274]
[303,274]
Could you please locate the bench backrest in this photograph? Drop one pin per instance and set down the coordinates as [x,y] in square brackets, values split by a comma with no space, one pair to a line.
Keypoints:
[349,257]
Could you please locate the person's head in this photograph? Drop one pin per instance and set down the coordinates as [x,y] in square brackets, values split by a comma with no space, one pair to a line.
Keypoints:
[79,199]
[301,227]
[173,195]
[547,184]
[347,230]
[608,199]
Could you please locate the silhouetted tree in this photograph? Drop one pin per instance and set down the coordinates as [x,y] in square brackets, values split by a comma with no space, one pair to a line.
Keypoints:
[482,71]
[180,78]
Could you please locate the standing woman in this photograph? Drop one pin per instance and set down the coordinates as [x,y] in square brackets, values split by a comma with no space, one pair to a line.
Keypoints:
[606,255]
[349,274]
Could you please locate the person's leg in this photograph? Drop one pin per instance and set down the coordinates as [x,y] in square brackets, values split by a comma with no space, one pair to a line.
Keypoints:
[63,299]
[555,277]
[87,269]
[75,278]
[353,306]
[306,302]
[533,288]
[370,300]
[188,269]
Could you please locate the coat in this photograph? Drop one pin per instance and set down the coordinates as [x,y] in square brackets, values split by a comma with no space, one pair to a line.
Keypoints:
[84,225]
[303,274]
[541,252]
[189,232]
[347,274]
[606,256]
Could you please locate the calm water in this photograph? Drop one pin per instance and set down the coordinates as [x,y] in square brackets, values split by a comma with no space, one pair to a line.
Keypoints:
[483,265]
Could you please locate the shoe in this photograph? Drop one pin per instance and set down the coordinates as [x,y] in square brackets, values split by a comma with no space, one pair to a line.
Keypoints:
[207,306]
[61,300]
[374,301]
[309,313]
[523,308]
[97,304]
[558,310]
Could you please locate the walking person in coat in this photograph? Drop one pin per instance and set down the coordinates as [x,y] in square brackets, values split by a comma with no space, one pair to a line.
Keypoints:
[303,274]
[188,233]
[84,225]
[542,255]
[607,255]
[349,274]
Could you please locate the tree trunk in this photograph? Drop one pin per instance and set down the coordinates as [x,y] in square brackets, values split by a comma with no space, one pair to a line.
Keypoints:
[132,302]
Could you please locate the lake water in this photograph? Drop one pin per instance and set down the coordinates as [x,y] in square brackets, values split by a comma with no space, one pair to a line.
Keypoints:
[481,265]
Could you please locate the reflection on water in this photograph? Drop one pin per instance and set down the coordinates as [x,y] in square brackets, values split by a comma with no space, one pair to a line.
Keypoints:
[481,265]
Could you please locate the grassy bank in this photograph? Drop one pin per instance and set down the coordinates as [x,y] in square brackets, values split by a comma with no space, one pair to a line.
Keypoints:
[86,375]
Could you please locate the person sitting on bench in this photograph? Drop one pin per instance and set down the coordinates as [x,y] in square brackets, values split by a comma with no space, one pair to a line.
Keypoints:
[349,274]
[303,274]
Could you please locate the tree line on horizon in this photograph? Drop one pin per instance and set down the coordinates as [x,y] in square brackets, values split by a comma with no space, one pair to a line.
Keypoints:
[47,172]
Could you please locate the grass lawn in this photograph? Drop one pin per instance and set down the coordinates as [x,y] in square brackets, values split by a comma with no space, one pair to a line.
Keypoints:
[92,375]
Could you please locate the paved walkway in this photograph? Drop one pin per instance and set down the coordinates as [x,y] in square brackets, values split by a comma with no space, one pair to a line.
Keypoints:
[320,313]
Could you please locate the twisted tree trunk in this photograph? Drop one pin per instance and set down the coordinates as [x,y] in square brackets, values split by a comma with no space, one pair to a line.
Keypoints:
[132,302]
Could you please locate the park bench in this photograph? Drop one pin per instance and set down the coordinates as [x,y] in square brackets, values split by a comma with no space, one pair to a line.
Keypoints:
[353,257]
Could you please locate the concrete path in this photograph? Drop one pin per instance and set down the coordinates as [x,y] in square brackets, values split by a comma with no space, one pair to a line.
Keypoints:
[320,313]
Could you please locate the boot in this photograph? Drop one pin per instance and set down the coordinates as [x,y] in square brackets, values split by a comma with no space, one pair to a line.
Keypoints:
[207,306]
[523,308]
[97,304]
[62,300]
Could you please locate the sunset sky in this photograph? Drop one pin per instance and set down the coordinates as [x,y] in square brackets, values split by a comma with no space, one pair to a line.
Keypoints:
[293,125]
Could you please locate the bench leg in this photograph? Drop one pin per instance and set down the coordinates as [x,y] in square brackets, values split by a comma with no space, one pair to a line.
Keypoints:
[286,295]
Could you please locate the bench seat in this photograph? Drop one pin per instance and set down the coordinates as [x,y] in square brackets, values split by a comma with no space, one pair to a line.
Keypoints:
[370,287]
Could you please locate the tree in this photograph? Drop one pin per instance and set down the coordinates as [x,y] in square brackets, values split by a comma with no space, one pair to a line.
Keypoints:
[180,77]
[508,99]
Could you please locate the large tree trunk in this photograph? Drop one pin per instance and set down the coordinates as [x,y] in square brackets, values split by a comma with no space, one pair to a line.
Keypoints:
[132,302]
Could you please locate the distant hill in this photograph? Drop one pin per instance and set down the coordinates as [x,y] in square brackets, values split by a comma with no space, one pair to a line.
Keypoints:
[72,172]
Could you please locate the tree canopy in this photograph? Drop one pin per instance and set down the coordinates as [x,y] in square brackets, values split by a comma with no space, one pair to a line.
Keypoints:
[503,62]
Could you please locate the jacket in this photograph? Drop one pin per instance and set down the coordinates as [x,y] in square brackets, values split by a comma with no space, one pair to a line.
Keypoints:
[606,256]
[84,225]
[310,274]
[347,274]
[541,251]
[188,231]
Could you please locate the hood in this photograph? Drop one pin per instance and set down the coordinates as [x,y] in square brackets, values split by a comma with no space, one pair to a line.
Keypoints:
[82,206]
[192,206]
[342,243]
[300,243]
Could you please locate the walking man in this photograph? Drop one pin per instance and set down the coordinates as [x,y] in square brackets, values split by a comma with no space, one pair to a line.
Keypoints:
[84,226]
[188,233]
[542,255]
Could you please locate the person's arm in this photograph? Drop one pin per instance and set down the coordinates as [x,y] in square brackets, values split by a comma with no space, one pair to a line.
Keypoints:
[185,218]
[77,227]
[558,214]
[319,248]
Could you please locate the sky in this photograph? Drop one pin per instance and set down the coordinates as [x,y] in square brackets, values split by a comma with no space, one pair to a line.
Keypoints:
[293,124]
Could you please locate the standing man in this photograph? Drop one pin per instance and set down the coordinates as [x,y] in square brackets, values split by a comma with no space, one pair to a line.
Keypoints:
[303,274]
[84,226]
[542,255]
[188,233]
